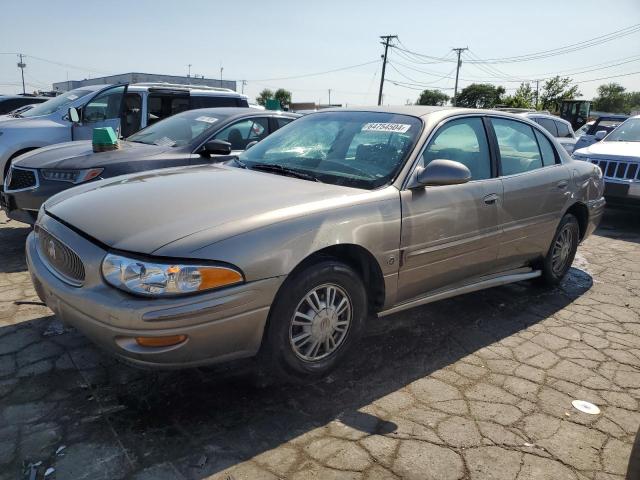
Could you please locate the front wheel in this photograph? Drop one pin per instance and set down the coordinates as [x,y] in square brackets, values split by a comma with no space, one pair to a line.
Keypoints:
[562,251]
[316,317]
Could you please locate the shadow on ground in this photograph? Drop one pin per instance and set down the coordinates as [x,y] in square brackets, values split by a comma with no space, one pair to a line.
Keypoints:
[206,420]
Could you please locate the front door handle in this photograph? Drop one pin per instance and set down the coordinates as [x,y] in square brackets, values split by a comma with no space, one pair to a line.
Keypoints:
[562,184]
[491,199]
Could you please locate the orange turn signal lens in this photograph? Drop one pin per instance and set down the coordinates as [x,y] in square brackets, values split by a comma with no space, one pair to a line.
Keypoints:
[167,341]
[214,277]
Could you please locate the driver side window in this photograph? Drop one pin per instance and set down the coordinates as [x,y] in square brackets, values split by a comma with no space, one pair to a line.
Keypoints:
[104,106]
[240,134]
[464,141]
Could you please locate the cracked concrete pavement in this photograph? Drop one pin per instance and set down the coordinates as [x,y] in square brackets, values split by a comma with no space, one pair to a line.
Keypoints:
[476,387]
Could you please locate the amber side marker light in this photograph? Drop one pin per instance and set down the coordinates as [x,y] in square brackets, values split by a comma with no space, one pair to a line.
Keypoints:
[160,341]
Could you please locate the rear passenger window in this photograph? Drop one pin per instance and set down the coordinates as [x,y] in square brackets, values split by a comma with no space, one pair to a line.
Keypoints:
[198,101]
[518,146]
[563,130]
[283,121]
[547,150]
[464,141]
[548,125]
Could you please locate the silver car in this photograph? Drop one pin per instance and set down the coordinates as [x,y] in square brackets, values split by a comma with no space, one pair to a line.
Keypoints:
[287,250]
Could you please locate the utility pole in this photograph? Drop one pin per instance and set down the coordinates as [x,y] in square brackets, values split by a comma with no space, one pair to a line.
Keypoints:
[455,90]
[329,97]
[244,82]
[189,71]
[221,69]
[537,88]
[387,39]
[21,66]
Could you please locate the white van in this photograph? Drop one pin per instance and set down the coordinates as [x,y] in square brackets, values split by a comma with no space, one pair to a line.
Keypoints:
[127,108]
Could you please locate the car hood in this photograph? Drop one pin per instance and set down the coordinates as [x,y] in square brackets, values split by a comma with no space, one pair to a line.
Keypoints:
[620,150]
[80,154]
[144,212]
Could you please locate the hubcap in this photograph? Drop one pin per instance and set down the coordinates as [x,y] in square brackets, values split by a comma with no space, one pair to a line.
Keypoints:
[320,322]
[562,250]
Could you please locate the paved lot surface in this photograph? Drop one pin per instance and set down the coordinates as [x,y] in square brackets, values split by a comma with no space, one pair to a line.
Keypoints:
[478,387]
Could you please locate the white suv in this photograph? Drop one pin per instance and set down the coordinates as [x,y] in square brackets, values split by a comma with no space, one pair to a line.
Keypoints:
[126,108]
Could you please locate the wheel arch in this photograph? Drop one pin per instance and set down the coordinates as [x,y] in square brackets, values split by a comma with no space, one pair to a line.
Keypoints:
[581,212]
[358,258]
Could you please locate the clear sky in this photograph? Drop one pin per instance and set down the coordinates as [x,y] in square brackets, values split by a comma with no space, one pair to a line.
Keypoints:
[259,41]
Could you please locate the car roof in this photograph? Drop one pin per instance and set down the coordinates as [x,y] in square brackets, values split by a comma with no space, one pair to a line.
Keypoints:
[422,111]
[613,117]
[243,112]
[29,97]
[545,115]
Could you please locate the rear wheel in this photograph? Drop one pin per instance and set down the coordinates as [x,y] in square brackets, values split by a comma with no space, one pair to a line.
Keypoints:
[317,316]
[562,251]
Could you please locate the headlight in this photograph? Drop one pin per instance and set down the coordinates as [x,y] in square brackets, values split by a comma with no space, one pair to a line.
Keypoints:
[72,176]
[165,279]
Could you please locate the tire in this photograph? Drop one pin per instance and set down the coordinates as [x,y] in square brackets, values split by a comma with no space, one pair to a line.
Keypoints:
[562,251]
[289,346]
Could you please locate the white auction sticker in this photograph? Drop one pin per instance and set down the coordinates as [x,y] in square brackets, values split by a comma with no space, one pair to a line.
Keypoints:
[207,119]
[72,97]
[386,127]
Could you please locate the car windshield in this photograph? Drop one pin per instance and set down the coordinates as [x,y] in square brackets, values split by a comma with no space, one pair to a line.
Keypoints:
[629,131]
[180,129]
[56,103]
[355,149]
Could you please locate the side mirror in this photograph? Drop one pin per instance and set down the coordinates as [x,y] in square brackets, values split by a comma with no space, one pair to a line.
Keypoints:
[216,147]
[443,172]
[74,115]
[250,144]
[600,134]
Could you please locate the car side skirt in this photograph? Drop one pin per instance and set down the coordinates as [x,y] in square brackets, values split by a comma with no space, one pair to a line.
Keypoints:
[480,284]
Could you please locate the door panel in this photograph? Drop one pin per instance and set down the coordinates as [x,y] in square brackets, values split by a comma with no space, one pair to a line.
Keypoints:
[103,110]
[449,234]
[535,192]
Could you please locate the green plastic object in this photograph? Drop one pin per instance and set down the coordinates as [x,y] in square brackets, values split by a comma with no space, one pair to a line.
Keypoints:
[104,136]
[273,104]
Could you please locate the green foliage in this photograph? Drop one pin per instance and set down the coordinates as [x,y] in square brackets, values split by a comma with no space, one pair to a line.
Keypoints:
[283,96]
[480,95]
[524,97]
[433,97]
[264,95]
[614,98]
[556,89]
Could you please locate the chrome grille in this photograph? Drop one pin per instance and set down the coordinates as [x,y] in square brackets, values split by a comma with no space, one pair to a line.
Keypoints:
[618,170]
[63,261]
[21,179]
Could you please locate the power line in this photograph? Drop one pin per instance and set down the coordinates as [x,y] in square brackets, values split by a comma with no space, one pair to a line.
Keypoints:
[315,74]
[537,55]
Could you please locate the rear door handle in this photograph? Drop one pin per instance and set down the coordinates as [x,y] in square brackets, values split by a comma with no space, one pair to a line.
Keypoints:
[562,184]
[491,199]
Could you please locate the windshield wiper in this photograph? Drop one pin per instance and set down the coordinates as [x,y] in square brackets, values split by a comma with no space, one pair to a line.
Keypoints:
[279,169]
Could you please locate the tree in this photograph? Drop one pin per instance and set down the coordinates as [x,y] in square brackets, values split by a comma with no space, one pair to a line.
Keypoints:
[432,97]
[612,98]
[480,95]
[633,102]
[265,95]
[283,96]
[556,89]
[524,97]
